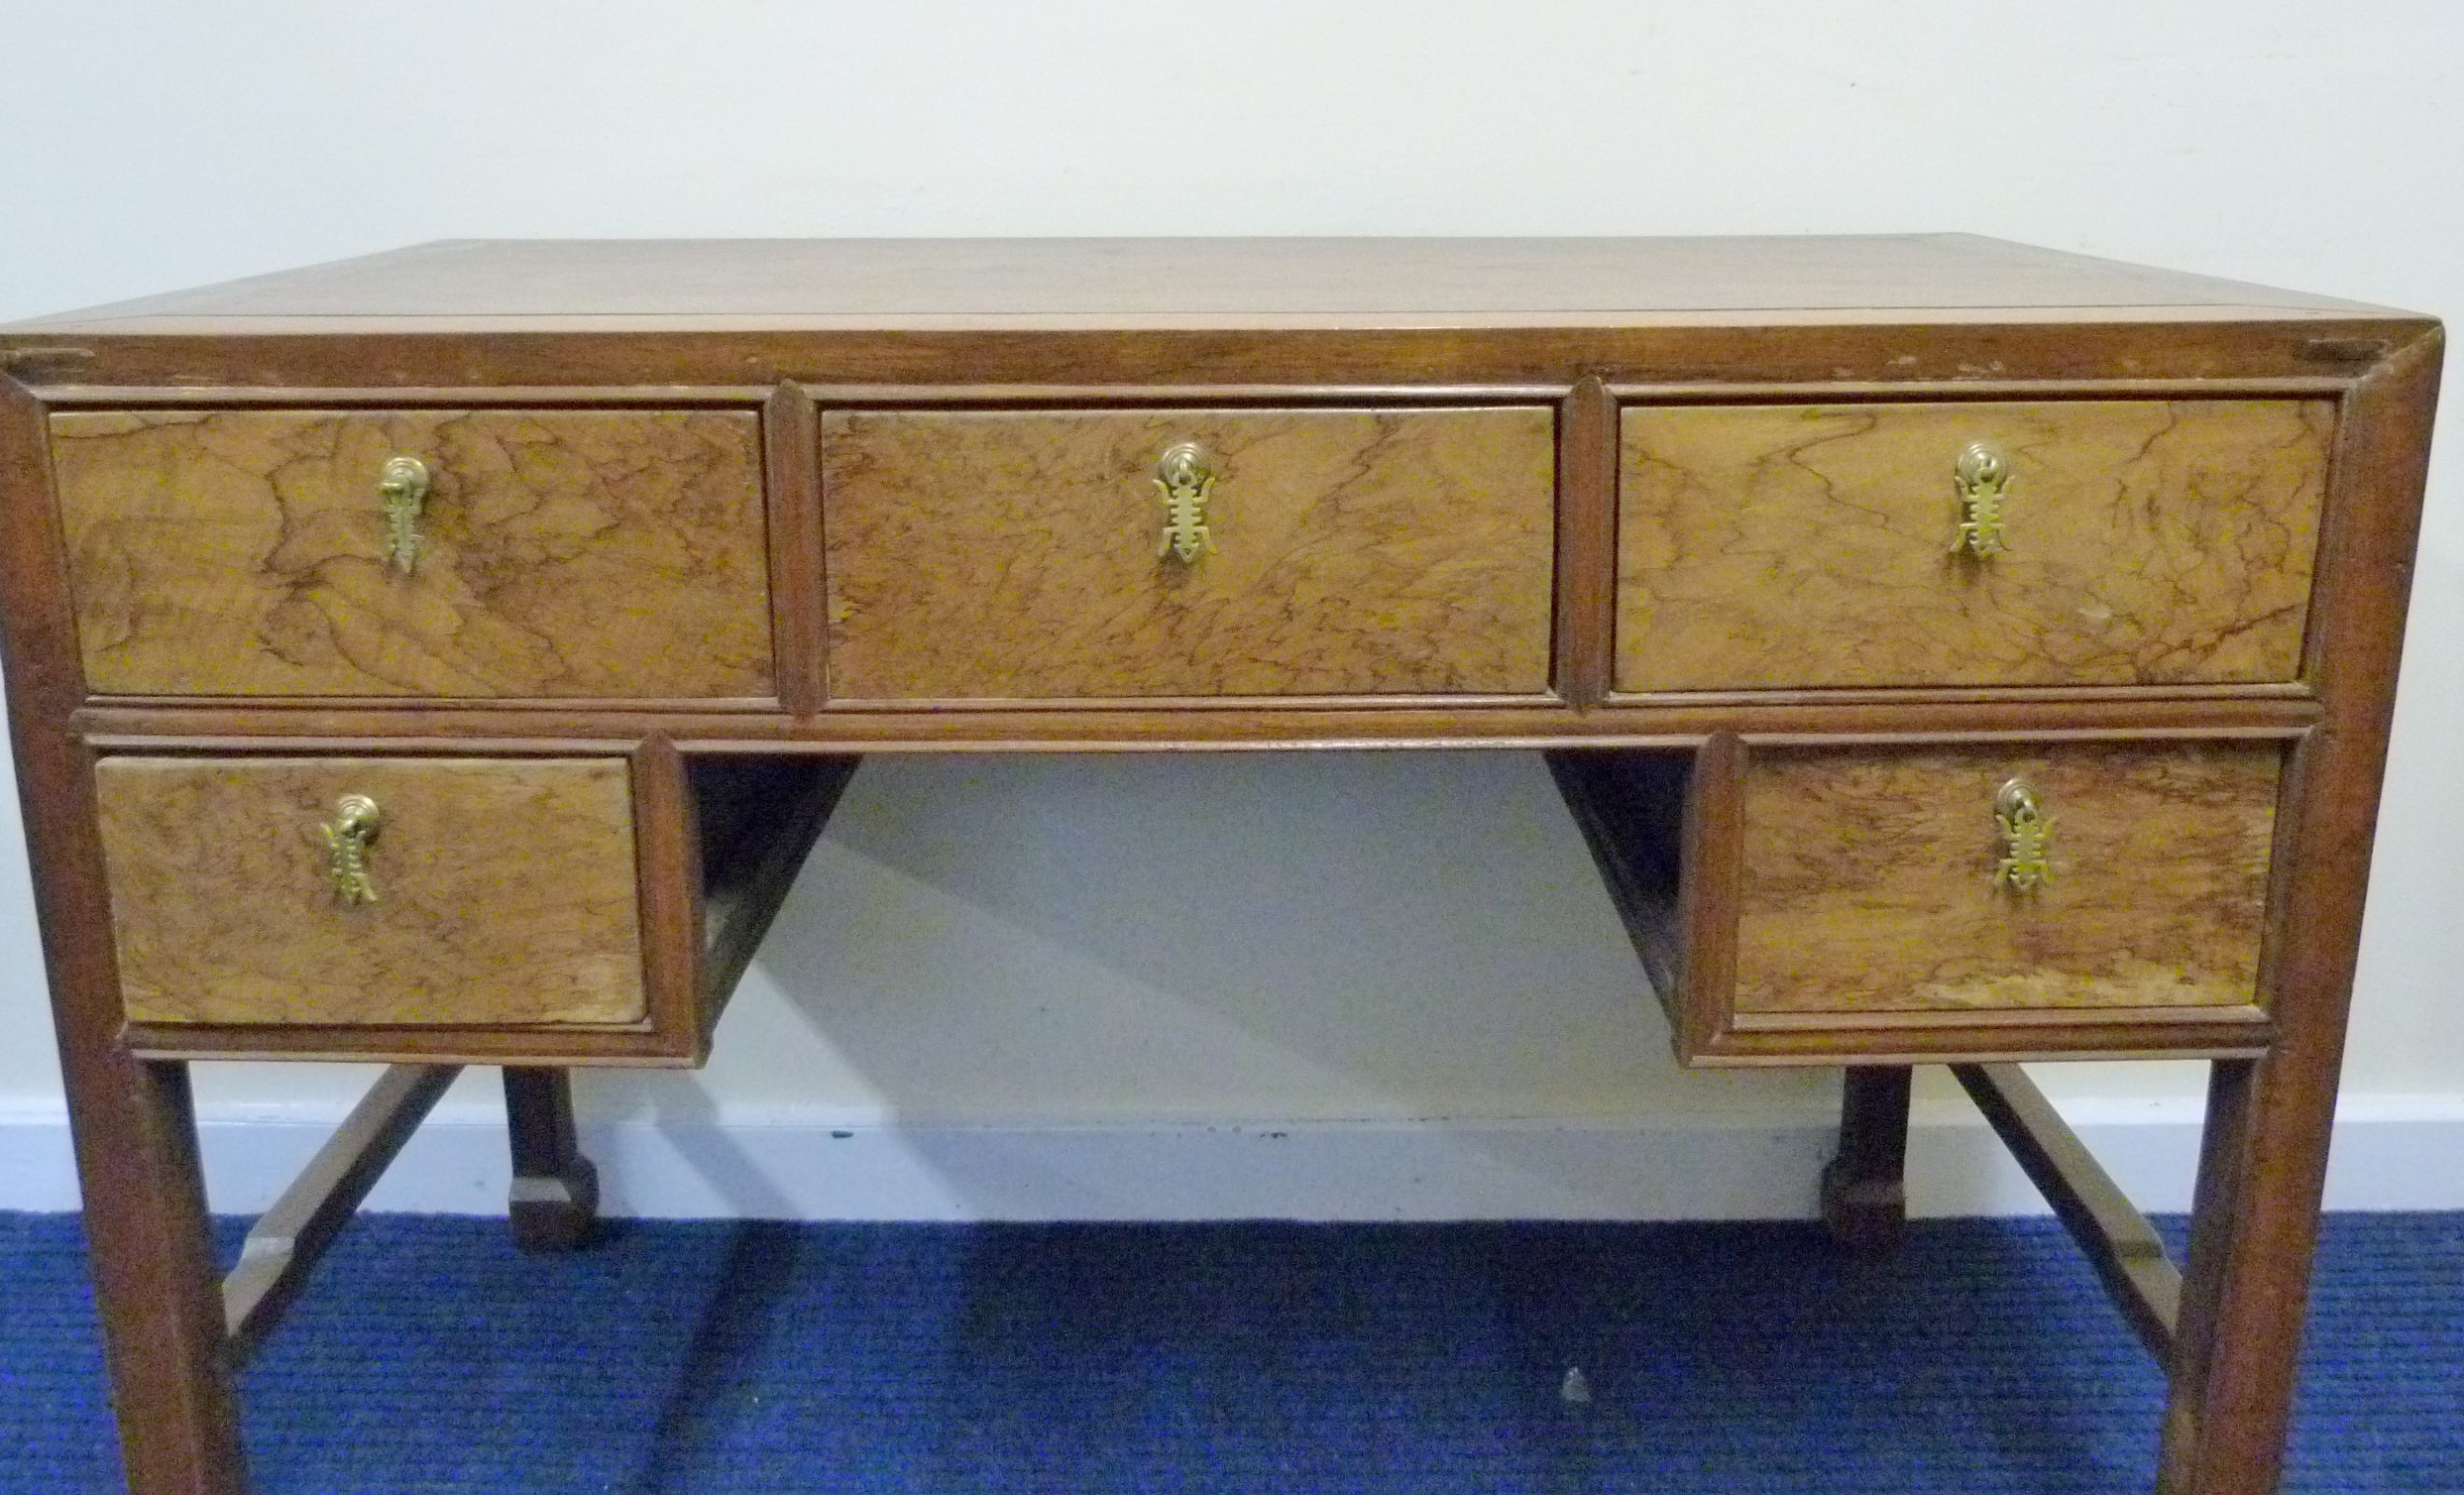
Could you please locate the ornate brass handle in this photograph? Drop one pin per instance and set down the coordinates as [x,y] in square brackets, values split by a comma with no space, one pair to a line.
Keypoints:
[402,487]
[354,824]
[1982,479]
[2027,838]
[1185,480]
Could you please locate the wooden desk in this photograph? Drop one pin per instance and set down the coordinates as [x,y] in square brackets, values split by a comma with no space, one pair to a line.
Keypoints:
[1953,653]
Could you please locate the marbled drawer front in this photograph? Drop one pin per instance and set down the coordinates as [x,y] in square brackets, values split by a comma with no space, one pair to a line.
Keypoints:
[1869,878]
[505,891]
[984,554]
[565,553]
[2147,542]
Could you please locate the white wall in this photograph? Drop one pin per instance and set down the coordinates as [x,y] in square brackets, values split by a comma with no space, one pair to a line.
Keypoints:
[1051,947]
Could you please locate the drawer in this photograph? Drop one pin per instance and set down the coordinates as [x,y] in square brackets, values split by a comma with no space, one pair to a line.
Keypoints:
[1869,878]
[2140,543]
[1026,554]
[559,553]
[504,892]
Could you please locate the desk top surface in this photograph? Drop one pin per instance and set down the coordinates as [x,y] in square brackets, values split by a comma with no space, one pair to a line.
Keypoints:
[584,285]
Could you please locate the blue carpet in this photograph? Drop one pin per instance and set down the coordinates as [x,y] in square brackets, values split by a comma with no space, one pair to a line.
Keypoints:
[1087,1360]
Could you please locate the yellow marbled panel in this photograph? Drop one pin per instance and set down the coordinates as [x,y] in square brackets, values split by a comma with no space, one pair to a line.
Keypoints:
[1869,878]
[992,554]
[612,554]
[505,891]
[2148,543]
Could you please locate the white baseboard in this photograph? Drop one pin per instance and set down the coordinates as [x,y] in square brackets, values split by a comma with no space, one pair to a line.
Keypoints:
[2391,1153]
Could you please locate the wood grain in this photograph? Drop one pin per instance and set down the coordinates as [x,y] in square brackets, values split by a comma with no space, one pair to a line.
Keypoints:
[1709,872]
[790,450]
[1200,722]
[1867,880]
[2149,543]
[1010,283]
[505,891]
[612,554]
[980,554]
[667,842]
[1804,357]
[1587,451]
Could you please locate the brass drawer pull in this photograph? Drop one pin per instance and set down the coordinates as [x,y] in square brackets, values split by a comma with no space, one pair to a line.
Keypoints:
[1983,482]
[402,487]
[2027,839]
[354,824]
[1185,480]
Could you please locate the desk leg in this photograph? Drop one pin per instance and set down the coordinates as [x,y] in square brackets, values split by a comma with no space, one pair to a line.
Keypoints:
[2244,1292]
[556,1201]
[2264,1161]
[1864,1186]
[154,1284]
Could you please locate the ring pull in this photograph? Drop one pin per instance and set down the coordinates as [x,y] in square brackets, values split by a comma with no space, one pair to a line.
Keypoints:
[403,488]
[354,824]
[1982,479]
[1185,479]
[2027,839]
